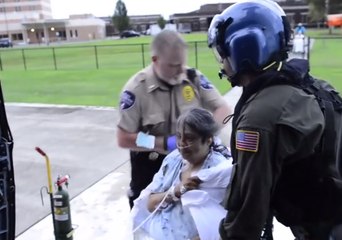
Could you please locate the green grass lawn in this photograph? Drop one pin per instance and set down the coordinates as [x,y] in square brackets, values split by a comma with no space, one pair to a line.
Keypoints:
[326,61]
[84,79]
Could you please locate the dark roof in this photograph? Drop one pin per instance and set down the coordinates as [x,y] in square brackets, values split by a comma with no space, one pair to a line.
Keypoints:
[293,3]
[216,8]
[213,8]
[207,9]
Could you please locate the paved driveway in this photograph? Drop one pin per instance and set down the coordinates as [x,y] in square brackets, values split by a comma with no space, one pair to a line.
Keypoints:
[79,141]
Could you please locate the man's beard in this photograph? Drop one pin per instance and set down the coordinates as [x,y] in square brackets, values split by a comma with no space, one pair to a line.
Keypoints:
[175,80]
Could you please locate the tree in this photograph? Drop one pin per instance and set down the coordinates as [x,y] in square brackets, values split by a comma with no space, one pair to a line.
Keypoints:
[323,7]
[161,22]
[315,13]
[320,8]
[120,18]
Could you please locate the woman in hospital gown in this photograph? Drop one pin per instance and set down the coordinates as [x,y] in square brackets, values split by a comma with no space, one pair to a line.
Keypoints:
[183,200]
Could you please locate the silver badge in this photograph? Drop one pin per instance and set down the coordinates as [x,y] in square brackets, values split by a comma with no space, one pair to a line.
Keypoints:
[153,156]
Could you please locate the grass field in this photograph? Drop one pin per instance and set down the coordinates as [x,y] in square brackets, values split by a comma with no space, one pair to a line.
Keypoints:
[78,81]
[326,56]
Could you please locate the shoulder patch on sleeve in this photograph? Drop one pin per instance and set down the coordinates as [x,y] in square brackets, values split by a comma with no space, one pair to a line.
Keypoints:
[247,140]
[205,83]
[127,100]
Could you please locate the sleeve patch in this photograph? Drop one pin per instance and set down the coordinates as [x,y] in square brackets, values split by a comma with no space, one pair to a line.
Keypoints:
[247,140]
[127,100]
[205,83]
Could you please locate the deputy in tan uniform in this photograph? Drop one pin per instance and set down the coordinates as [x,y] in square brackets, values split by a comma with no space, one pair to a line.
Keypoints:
[151,102]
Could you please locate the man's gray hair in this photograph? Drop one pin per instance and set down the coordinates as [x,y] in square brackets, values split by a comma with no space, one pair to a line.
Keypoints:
[167,39]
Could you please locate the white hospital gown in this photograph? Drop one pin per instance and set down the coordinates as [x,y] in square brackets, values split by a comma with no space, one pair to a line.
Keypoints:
[175,222]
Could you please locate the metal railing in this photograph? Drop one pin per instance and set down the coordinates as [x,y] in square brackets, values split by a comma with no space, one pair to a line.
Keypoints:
[90,57]
[119,56]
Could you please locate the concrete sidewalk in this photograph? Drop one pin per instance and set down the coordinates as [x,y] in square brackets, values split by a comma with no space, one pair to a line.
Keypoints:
[79,141]
[101,212]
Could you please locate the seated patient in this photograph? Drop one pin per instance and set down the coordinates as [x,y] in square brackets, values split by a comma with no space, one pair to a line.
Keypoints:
[183,200]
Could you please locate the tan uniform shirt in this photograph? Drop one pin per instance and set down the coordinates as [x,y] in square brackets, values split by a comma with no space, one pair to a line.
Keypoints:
[149,105]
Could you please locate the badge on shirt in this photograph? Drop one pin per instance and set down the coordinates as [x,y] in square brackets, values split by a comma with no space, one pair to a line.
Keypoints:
[188,93]
[127,100]
[247,140]
[205,83]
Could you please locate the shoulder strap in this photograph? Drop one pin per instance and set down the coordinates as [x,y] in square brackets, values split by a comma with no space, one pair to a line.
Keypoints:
[331,104]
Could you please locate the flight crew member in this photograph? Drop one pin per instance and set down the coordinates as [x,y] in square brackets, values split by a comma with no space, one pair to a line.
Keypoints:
[276,126]
[152,100]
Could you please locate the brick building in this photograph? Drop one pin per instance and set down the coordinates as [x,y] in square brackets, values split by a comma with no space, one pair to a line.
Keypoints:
[199,20]
[30,21]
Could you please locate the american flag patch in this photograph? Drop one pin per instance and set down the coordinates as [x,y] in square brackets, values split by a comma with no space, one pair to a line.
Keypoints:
[247,140]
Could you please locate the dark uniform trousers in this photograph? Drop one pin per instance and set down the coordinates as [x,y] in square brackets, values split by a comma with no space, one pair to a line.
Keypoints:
[143,167]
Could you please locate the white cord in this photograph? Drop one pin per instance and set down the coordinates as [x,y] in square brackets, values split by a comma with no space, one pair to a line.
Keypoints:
[155,210]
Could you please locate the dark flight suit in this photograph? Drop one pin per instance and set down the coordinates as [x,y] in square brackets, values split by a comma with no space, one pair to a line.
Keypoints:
[150,106]
[276,126]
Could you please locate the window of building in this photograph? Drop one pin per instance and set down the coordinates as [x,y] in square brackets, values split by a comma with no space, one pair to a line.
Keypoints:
[17,37]
[71,33]
[62,34]
[3,36]
[2,9]
[17,9]
[76,33]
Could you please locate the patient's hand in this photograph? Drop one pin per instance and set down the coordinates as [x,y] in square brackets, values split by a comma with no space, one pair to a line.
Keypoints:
[192,183]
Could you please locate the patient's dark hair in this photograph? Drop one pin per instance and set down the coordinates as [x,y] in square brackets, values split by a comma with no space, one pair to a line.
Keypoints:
[200,121]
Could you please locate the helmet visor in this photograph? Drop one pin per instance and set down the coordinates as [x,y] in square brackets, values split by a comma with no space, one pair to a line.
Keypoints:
[213,30]
[217,55]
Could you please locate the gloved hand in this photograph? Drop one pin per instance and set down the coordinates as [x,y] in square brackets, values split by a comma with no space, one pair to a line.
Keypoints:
[170,143]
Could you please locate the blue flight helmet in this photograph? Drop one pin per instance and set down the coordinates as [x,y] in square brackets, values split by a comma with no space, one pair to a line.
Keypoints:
[250,35]
[271,4]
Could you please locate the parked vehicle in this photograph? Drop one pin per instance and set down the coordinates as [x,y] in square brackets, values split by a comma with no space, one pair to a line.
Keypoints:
[5,42]
[129,33]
